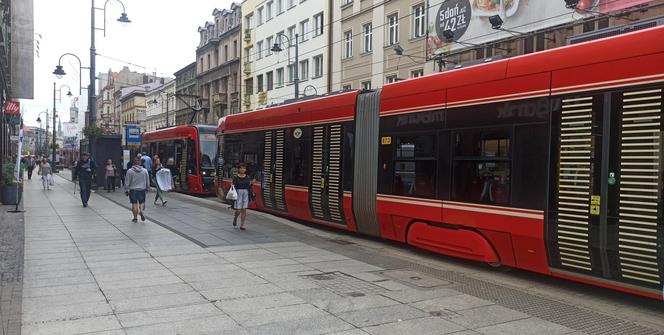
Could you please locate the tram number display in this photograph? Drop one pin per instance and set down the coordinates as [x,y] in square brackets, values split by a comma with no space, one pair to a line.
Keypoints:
[386,140]
[453,15]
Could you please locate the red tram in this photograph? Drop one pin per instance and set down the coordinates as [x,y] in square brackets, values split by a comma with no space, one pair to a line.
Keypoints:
[193,150]
[549,162]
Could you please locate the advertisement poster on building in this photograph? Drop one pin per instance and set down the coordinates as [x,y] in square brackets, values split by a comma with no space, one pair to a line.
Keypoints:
[468,20]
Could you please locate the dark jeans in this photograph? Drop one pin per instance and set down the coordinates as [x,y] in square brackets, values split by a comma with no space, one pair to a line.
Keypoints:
[110,183]
[30,172]
[85,184]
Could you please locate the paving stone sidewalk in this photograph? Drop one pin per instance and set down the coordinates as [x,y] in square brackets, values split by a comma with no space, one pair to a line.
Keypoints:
[92,271]
[11,270]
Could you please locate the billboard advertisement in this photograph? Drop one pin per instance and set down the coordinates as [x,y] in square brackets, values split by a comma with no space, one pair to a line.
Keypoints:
[454,22]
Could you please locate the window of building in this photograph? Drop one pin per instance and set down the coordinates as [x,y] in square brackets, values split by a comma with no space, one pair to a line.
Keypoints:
[291,72]
[318,66]
[393,29]
[260,15]
[249,54]
[268,46]
[216,57]
[348,44]
[234,49]
[304,70]
[259,49]
[367,37]
[209,65]
[268,11]
[259,83]
[291,4]
[391,78]
[346,87]
[270,80]
[280,77]
[366,85]
[416,73]
[304,30]
[280,6]
[226,53]
[318,24]
[249,21]
[418,20]
[291,33]
[249,86]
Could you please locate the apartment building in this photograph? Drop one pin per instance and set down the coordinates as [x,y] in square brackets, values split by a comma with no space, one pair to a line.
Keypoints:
[160,106]
[185,90]
[218,65]
[269,76]
[367,35]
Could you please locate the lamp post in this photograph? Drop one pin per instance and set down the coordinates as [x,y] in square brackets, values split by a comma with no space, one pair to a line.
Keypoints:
[277,48]
[45,144]
[54,115]
[168,97]
[92,99]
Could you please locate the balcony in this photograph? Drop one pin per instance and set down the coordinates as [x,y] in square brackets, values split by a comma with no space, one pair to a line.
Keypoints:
[247,35]
[235,96]
[246,99]
[246,68]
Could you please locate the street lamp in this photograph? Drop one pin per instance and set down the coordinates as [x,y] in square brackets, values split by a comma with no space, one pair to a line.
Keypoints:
[168,97]
[45,151]
[92,99]
[277,48]
[54,116]
[60,72]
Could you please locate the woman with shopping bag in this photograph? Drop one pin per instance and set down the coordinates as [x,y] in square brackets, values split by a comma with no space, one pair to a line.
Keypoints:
[46,173]
[239,193]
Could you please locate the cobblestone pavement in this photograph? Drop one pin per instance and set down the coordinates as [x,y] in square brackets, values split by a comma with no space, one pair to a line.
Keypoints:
[187,271]
[11,270]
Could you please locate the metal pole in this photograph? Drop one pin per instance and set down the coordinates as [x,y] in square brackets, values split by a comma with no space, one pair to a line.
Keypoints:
[167,98]
[92,103]
[54,141]
[297,64]
[46,137]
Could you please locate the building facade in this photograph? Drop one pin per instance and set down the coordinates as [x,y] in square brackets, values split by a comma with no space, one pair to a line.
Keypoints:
[269,76]
[108,112]
[368,32]
[132,104]
[160,106]
[218,65]
[186,93]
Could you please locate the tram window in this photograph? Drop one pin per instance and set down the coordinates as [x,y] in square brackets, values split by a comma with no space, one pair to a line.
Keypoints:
[415,146]
[481,168]
[530,166]
[297,162]
[349,156]
[191,158]
[231,156]
[482,181]
[415,178]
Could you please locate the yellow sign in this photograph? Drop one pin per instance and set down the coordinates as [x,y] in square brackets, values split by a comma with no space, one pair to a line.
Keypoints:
[594,210]
[595,200]
[262,98]
[385,140]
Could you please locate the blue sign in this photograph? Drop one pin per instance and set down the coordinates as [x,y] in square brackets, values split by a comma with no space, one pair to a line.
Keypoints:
[133,134]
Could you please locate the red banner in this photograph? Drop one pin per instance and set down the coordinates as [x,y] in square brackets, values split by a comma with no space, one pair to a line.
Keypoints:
[12,107]
[607,6]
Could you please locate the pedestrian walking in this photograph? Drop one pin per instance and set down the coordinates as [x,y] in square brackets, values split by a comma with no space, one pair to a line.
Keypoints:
[136,187]
[242,184]
[84,172]
[46,173]
[31,166]
[111,172]
[23,165]
[162,182]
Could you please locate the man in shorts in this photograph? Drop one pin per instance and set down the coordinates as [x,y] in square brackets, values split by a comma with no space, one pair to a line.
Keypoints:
[136,186]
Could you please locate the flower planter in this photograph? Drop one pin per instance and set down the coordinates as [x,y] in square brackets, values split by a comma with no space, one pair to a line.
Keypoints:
[9,194]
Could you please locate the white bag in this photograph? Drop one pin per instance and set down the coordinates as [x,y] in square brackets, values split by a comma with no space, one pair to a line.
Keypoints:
[232,194]
[50,179]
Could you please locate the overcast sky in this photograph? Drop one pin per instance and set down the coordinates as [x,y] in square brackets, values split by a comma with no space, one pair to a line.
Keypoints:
[162,37]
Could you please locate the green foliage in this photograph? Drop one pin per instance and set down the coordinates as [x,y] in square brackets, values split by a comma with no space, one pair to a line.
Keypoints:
[8,176]
[91,131]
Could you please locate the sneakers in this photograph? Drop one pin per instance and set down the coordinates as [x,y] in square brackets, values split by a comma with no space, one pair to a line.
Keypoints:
[134,220]
[142,216]
[164,203]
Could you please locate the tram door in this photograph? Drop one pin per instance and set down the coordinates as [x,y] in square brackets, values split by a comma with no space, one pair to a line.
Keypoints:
[325,188]
[605,217]
[273,170]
